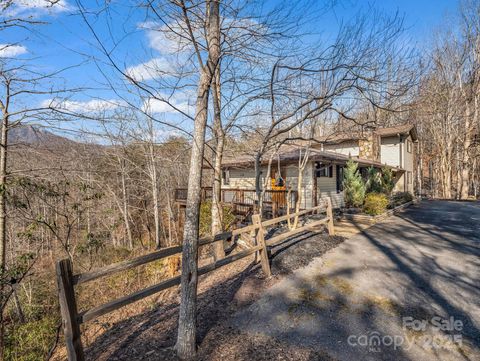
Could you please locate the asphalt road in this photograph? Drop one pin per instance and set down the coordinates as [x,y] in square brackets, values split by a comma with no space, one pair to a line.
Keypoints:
[405,289]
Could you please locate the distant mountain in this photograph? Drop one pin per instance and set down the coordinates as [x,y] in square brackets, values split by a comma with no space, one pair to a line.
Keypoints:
[30,135]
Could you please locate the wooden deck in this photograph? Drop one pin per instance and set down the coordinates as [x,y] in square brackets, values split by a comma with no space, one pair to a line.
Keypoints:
[245,201]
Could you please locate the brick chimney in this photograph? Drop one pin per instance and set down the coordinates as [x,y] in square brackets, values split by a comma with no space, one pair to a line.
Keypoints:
[369,144]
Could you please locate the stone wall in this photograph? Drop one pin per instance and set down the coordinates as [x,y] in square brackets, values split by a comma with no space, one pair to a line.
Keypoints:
[369,148]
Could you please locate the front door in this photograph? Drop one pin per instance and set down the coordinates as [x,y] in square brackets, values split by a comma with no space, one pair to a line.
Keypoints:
[278,186]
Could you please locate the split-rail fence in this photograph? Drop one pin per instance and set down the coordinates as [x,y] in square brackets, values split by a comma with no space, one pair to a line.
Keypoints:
[67,280]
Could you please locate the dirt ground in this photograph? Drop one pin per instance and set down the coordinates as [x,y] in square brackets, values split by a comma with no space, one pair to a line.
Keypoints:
[419,264]
[151,335]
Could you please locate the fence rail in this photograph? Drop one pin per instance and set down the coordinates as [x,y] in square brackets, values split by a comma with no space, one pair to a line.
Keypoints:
[66,280]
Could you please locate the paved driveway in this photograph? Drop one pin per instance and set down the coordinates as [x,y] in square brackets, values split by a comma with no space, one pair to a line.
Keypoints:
[405,289]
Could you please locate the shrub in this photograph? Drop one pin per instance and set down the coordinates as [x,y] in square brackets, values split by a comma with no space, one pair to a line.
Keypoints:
[31,340]
[379,181]
[353,186]
[375,203]
[374,182]
[400,198]
[206,218]
[387,180]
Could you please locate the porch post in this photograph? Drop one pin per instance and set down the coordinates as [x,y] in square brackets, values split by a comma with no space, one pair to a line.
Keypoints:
[314,190]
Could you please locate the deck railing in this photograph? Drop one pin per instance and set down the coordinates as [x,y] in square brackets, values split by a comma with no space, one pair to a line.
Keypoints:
[244,201]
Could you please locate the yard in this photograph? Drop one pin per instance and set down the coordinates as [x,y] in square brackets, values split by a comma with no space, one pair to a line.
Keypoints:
[377,285]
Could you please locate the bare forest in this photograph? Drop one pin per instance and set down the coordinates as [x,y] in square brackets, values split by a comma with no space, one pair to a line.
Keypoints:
[94,180]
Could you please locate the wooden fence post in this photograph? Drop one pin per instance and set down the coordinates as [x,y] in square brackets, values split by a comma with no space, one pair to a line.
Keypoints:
[261,242]
[68,309]
[331,229]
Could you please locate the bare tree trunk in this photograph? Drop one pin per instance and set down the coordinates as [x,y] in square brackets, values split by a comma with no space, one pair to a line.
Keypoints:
[217,210]
[302,162]
[475,178]
[3,218]
[186,338]
[126,219]
[465,162]
[170,220]
[258,178]
[154,180]
[420,169]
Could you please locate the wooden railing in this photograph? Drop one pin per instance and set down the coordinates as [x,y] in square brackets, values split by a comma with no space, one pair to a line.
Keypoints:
[181,194]
[244,201]
[66,280]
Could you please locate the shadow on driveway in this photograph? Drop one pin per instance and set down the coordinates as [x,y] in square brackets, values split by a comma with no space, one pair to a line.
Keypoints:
[420,264]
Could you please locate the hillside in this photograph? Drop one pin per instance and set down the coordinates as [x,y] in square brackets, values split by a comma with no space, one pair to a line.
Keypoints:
[32,135]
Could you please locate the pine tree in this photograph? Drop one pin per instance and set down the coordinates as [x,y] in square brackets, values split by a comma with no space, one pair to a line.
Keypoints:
[387,180]
[374,181]
[353,186]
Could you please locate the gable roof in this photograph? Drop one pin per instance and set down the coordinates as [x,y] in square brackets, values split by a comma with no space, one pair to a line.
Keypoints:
[289,154]
[344,136]
[403,129]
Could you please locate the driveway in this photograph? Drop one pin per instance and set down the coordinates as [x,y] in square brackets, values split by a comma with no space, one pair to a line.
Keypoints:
[405,289]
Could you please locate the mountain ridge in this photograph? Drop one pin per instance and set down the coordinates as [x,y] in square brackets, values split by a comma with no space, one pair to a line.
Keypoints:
[31,135]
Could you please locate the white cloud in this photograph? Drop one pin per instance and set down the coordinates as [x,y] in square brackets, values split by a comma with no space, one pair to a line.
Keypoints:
[90,106]
[159,134]
[173,38]
[37,7]
[160,42]
[167,39]
[152,69]
[168,104]
[173,48]
[10,51]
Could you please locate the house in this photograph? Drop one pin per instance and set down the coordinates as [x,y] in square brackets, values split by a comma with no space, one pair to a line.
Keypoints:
[392,147]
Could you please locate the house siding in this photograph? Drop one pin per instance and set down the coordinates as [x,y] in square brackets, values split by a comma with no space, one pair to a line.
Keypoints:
[408,165]
[242,178]
[346,148]
[307,183]
[327,187]
[390,151]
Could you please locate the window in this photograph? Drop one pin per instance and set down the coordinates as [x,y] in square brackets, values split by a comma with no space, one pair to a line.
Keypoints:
[226,177]
[322,170]
[409,177]
[339,178]
[409,146]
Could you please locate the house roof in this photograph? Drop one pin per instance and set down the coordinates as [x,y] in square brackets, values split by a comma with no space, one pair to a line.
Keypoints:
[290,154]
[344,136]
[407,128]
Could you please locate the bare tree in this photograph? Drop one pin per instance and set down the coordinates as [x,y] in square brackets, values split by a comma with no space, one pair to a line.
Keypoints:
[17,81]
[186,339]
[447,106]
[339,79]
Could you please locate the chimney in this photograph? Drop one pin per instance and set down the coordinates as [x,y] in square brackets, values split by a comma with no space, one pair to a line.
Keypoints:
[369,144]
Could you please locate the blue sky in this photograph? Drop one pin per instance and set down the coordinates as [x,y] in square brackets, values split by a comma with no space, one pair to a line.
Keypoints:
[421,16]
[66,41]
